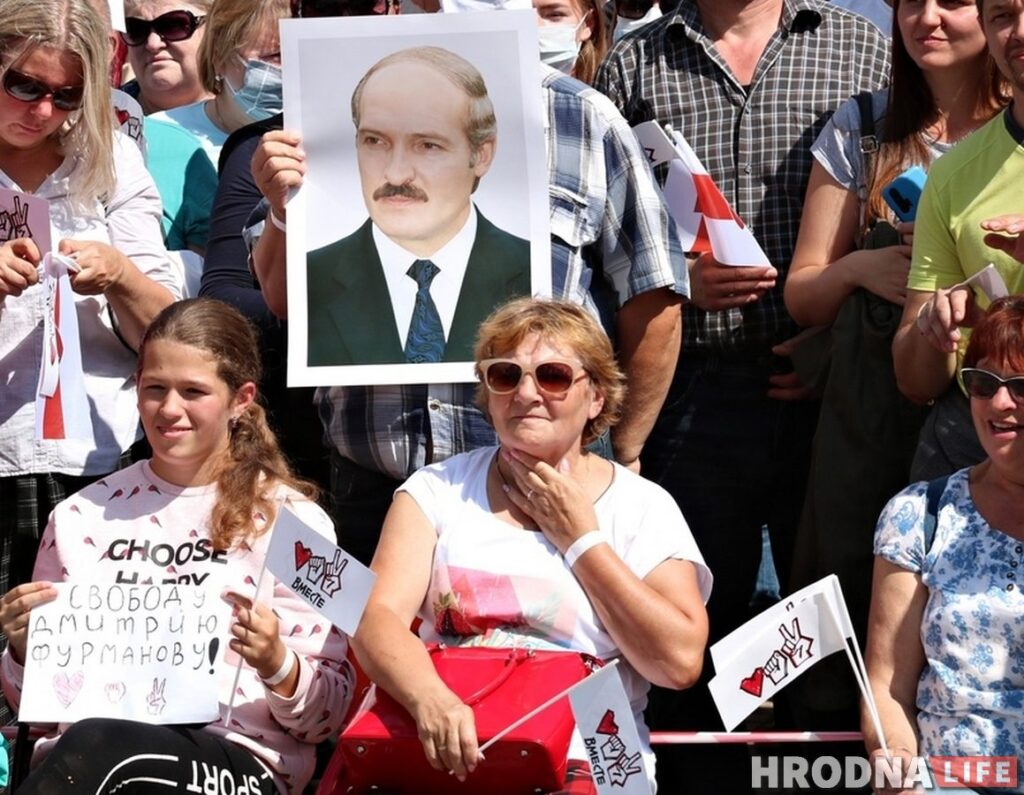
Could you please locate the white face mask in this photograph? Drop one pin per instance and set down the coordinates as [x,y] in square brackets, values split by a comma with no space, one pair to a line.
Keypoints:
[259,96]
[624,26]
[558,46]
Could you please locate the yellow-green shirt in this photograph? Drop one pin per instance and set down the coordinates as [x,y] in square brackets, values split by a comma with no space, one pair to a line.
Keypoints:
[980,178]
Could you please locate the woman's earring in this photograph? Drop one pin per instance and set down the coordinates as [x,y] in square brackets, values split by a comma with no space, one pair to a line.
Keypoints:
[233,424]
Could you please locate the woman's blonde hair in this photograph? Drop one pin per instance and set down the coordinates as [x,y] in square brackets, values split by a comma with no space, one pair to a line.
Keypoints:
[254,464]
[563,325]
[230,24]
[77,28]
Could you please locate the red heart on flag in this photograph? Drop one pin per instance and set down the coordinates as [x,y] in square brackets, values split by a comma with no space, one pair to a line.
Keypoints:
[302,555]
[608,724]
[753,683]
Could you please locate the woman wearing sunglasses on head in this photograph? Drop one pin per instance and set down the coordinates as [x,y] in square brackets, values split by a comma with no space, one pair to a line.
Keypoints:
[57,142]
[481,546]
[946,630]
[163,38]
[239,62]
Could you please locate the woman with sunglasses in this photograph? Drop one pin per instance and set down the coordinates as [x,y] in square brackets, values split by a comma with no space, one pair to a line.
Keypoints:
[946,631]
[57,143]
[481,546]
[239,62]
[163,38]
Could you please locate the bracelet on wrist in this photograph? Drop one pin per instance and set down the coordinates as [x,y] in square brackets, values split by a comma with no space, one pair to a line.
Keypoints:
[582,544]
[282,673]
[276,221]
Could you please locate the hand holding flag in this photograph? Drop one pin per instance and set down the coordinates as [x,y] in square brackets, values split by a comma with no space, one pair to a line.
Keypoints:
[731,269]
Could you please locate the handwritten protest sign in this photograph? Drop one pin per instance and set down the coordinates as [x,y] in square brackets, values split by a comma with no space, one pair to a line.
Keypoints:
[117,650]
[333,583]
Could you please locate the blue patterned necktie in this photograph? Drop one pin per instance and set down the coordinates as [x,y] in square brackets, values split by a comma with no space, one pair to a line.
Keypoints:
[425,342]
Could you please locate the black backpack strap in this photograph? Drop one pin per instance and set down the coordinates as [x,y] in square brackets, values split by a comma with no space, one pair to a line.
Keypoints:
[931,511]
[868,142]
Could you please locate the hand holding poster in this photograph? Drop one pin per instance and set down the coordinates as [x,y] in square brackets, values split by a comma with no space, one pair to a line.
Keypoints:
[333,583]
[116,650]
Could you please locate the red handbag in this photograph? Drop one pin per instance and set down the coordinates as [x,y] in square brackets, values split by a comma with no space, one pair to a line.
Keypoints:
[380,750]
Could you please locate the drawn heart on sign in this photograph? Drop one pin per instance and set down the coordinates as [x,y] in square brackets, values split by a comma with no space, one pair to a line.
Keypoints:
[67,687]
[122,115]
[608,724]
[302,555]
[115,691]
[753,683]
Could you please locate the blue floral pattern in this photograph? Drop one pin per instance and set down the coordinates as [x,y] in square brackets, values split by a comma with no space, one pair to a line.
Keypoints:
[970,695]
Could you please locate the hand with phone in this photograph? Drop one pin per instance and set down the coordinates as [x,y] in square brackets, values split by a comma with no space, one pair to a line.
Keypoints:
[903,194]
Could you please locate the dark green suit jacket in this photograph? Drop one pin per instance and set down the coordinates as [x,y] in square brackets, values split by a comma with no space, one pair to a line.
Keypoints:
[350,316]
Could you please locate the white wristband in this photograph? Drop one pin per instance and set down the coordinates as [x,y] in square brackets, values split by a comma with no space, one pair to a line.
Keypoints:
[582,544]
[282,673]
[276,221]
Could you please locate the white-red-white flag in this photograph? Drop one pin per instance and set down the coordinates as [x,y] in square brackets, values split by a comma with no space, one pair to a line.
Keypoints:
[604,720]
[704,219]
[62,406]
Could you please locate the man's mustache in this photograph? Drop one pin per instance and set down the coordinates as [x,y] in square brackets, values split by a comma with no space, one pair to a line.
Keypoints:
[406,191]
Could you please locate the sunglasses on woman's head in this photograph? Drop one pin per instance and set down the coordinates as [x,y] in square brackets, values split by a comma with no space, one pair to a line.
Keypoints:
[502,376]
[633,9]
[341,8]
[172,26]
[26,88]
[984,385]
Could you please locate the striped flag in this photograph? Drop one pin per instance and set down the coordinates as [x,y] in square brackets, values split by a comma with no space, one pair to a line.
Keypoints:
[62,406]
[704,219]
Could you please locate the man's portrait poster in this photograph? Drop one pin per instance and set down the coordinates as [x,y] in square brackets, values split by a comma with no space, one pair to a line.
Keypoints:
[425,201]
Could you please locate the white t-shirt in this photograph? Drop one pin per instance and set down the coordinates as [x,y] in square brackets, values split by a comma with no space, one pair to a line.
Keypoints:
[494,584]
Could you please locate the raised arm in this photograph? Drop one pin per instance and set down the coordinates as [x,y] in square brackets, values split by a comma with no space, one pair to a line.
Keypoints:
[394,658]
[278,167]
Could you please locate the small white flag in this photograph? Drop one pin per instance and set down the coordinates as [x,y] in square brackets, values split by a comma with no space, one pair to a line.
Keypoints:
[336,585]
[604,719]
[783,648]
[704,219]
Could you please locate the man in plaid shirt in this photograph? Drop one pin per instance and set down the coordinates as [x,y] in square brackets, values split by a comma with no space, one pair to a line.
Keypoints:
[749,84]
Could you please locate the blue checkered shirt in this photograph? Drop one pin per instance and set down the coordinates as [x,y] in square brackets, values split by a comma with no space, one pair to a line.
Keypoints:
[755,141]
[607,221]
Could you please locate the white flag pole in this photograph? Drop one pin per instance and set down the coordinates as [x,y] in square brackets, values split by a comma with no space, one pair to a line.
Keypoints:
[542,707]
[259,582]
[860,674]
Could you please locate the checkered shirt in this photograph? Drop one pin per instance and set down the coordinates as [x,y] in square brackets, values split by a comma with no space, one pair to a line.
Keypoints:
[754,140]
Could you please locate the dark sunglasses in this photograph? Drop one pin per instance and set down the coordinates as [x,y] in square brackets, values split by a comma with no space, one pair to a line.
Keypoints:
[172,26]
[342,8]
[502,376]
[633,9]
[26,88]
[984,385]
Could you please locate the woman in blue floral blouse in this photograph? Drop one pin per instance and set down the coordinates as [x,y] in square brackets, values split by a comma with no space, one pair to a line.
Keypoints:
[946,632]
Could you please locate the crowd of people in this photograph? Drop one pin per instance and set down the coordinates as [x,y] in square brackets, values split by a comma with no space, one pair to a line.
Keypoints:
[626,442]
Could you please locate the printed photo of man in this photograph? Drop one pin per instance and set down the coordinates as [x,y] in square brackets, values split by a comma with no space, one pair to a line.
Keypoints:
[412,284]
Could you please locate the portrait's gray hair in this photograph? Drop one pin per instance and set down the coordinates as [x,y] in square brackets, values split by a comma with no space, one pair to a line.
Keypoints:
[77,28]
[482,125]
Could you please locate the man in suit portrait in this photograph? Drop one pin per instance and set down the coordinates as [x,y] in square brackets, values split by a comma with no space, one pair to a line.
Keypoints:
[413,283]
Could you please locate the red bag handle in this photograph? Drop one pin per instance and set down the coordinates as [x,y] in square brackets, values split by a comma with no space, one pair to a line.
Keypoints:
[514,659]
